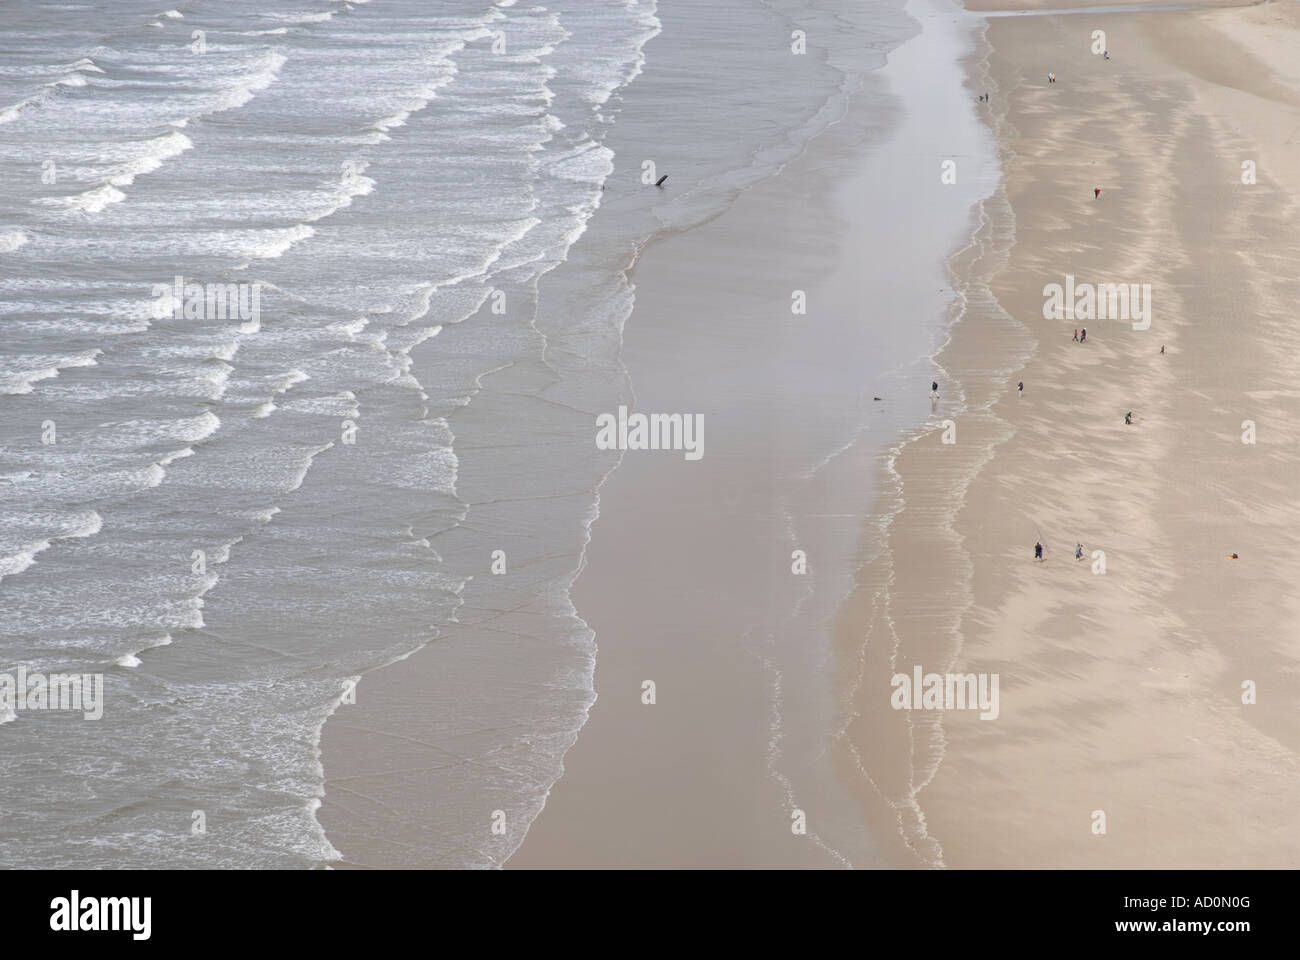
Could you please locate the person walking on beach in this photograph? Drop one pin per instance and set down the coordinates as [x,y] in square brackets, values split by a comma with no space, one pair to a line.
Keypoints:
[1021,387]
[1128,417]
[1076,336]
[1083,334]
[1096,193]
[1162,348]
[1078,551]
[1051,78]
[1038,550]
[934,388]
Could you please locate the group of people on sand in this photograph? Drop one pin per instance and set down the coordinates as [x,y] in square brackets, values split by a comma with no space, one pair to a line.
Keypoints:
[1038,551]
[1081,336]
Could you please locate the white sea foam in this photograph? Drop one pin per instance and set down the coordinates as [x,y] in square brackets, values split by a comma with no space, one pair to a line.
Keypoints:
[12,384]
[301,473]
[176,455]
[87,525]
[91,201]
[198,428]
[136,159]
[269,244]
[10,113]
[351,184]
[12,240]
[286,381]
[265,73]
[150,155]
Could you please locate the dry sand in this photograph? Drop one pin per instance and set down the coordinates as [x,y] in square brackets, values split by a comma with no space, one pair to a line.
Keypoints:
[1120,692]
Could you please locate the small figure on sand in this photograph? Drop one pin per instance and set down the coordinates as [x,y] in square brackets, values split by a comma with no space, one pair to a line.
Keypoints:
[1083,334]
[1128,417]
[1162,348]
[1051,78]
[1076,334]
[1038,550]
[1096,193]
[1021,387]
[1105,54]
[934,388]
[1078,551]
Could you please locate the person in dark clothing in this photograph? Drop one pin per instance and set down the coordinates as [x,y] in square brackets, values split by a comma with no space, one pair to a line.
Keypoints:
[1038,551]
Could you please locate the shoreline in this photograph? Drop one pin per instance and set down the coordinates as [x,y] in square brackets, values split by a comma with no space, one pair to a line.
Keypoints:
[632,795]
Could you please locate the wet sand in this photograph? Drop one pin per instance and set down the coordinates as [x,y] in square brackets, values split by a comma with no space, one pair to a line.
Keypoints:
[688,579]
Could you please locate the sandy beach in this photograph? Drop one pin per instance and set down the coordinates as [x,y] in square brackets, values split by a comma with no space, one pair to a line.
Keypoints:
[1122,739]
[1122,691]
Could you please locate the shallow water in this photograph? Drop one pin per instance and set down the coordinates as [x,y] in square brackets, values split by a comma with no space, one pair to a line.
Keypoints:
[239,516]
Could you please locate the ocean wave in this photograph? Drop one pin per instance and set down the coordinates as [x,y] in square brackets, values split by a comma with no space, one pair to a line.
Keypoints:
[11,241]
[136,159]
[351,184]
[10,113]
[13,384]
[149,156]
[265,73]
[268,244]
[301,473]
[176,455]
[87,525]
[290,378]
